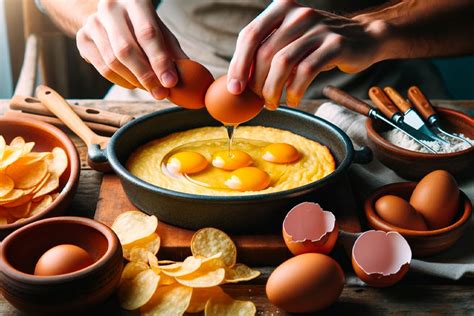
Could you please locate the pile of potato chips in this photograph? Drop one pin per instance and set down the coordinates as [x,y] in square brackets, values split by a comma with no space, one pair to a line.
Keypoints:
[164,287]
[28,179]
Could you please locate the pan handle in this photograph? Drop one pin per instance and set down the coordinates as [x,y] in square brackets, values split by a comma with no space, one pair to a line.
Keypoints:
[54,102]
[363,156]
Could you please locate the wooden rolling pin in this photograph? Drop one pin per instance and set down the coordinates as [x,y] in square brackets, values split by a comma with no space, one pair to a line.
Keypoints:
[34,106]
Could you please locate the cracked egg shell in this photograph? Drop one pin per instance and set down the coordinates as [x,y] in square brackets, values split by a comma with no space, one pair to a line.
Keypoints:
[308,228]
[381,259]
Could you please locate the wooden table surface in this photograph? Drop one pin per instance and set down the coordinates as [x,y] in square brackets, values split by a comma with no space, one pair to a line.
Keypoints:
[417,293]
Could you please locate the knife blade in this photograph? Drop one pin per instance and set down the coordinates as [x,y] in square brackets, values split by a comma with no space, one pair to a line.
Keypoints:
[385,105]
[359,106]
[410,116]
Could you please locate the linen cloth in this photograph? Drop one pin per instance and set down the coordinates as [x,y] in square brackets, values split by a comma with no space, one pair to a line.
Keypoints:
[454,263]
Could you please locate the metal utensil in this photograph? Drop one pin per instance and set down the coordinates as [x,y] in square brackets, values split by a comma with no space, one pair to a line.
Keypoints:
[359,106]
[424,106]
[409,114]
[386,106]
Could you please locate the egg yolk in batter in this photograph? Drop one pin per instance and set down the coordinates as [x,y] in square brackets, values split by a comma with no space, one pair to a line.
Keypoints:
[231,159]
[280,153]
[186,162]
[248,179]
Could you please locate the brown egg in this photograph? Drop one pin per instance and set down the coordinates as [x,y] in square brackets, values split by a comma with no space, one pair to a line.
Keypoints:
[231,109]
[399,212]
[305,283]
[308,228]
[62,259]
[436,197]
[193,82]
[381,259]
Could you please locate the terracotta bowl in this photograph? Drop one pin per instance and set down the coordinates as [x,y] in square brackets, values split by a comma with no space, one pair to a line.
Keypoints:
[422,243]
[66,293]
[46,137]
[415,165]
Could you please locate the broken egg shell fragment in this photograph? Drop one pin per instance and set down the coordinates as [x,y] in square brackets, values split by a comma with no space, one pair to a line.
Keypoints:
[381,259]
[308,228]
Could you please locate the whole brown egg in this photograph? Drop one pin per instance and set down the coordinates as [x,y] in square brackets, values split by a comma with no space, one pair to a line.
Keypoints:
[436,197]
[305,283]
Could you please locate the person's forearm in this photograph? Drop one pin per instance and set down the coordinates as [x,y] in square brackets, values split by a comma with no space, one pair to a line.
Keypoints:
[69,15]
[421,28]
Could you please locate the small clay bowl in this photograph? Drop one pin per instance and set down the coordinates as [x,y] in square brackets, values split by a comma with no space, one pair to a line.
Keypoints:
[422,243]
[415,165]
[46,137]
[67,293]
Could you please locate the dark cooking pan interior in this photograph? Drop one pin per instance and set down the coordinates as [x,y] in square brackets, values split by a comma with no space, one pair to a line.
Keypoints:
[236,213]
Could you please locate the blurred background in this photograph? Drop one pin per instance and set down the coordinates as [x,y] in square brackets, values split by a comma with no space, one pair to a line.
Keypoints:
[74,78]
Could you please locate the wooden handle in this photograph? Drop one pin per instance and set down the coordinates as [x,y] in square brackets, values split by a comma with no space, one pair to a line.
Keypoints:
[102,129]
[397,99]
[56,104]
[33,105]
[421,103]
[382,102]
[346,100]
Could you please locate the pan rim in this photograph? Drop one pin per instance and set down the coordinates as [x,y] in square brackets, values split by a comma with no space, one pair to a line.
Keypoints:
[122,171]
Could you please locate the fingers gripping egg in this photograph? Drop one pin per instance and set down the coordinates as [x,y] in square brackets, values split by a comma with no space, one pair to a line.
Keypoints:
[231,109]
[248,179]
[186,162]
[280,153]
[231,160]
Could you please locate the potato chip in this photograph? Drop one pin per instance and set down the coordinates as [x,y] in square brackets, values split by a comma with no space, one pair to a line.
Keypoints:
[136,292]
[203,278]
[14,195]
[139,255]
[166,280]
[132,269]
[223,304]
[26,174]
[27,148]
[40,185]
[3,146]
[22,200]
[168,300]
[189,265]
[51,184]
[10,155]
[57,162]
[163,264]
[240,272]
[150,243]
[17,142]
[20,211]
[209,241]
[152,260]
[6,184]
[134,225]
[200,297]
[39,206]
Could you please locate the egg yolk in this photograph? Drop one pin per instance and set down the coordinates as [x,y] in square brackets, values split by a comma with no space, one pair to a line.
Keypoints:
[231,159]
[248,179]
[186,162]
[280,153]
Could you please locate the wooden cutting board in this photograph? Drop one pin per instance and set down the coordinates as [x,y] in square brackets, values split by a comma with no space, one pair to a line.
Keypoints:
[256,250]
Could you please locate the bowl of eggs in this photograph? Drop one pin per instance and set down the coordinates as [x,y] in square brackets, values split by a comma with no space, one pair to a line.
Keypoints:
[60,265]
[431,214]
[39,172]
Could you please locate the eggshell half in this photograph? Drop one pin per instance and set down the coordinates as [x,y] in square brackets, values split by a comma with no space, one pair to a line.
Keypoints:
[381,259]
[305,283]
[193,81]
[436,197]
[231,109]
[308,228]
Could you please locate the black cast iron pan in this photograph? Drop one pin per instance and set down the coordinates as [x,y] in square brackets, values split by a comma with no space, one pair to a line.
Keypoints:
[246,213]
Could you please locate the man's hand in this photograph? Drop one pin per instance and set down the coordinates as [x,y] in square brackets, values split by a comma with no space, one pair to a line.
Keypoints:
[288,45]
[129,45]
